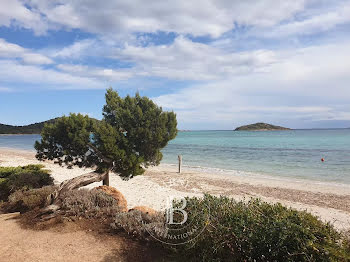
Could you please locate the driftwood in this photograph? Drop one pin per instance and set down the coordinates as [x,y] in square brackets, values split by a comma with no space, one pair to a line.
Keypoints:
[54,200]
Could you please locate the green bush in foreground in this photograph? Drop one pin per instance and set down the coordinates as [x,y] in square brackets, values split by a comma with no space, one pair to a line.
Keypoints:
[259,231]
[248,231]
[26,200]
[22,178]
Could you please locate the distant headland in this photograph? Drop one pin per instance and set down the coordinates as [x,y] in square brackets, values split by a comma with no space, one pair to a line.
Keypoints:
[260,127]
[31,129]
[24,130]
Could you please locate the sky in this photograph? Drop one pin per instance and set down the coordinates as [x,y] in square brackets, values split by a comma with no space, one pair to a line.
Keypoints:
[218,64]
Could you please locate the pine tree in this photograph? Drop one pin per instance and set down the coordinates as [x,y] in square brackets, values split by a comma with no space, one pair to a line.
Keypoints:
[128,139]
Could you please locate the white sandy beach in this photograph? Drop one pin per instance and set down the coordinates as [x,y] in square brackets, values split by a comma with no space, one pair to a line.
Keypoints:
[331,202]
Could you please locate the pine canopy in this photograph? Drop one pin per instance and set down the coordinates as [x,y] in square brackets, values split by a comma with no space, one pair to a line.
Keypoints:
[128,138]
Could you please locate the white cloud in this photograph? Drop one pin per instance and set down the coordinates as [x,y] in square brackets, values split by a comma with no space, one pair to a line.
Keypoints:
[15,13]
[12,72]
[196,17]
[308,83]
[316,23]
[38,59]
[186,60]
[231,85]
[99,73]
[182,59]
[9,50]
[76,50]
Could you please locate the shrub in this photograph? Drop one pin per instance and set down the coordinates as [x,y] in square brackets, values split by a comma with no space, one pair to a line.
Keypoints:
[4,191]
[89,204]
[247,231]
[26,200]
[133,223]
[22,178]
[259,231]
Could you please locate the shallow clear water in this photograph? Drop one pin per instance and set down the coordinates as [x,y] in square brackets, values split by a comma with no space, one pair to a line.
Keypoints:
[25,142]
[290,154]
[295,153]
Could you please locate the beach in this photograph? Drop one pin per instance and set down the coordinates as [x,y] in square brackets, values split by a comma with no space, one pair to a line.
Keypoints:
[329,201]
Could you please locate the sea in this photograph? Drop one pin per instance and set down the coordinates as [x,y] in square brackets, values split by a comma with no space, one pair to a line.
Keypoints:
[293,154]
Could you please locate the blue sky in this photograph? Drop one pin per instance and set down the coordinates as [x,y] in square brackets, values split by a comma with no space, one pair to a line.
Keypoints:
[217,63]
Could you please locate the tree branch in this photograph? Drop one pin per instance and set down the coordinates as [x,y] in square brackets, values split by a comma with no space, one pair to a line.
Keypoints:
[99,154]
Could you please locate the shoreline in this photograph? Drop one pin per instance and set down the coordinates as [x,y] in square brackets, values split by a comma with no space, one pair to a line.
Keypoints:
[257,178]
[330,202]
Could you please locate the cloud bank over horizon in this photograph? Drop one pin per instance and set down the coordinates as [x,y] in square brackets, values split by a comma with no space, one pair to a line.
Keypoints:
[216,63]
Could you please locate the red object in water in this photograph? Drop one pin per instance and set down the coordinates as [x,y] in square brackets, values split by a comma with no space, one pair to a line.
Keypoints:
[322,159]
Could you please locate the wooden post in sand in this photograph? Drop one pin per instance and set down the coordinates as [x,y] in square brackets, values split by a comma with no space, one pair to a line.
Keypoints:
[106,180]
[180,163]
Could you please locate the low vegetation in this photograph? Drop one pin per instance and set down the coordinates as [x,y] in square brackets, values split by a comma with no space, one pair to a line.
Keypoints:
[89,204]
[258,231]
[248,231]
[139,224]
[26,200]
[232,231]
[22,178]
[260,127]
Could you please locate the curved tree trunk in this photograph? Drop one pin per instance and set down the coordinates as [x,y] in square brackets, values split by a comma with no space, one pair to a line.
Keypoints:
[54,200]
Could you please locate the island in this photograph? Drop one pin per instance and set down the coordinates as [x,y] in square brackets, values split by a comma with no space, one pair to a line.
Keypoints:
[260,127]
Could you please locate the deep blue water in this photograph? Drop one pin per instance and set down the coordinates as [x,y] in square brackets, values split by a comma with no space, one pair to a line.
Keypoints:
[291,154]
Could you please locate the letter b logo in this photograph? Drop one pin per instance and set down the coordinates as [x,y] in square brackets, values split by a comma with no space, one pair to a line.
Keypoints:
[170,211]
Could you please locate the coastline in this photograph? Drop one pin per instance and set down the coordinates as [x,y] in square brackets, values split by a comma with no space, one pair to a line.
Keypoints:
[236,176]
[331,202]
[18,134]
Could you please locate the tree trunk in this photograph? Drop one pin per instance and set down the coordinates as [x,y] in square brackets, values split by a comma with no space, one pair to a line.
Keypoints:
[54,200]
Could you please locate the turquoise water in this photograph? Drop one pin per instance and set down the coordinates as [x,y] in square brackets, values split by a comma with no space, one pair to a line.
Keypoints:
[25,142]
[290,154]
[295,153]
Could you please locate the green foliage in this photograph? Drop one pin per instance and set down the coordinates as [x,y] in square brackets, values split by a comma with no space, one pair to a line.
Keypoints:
[130,136]
[26,200]
[22,178]
[89,204]
[146,126]
[258,231]
[66,141]
[244,231]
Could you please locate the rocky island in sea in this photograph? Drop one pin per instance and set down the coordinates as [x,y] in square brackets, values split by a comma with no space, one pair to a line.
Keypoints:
[260,127]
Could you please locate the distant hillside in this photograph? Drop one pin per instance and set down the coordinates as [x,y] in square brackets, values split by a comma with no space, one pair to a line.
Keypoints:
[29,129]
[260,127]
